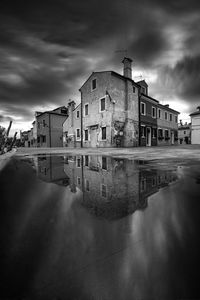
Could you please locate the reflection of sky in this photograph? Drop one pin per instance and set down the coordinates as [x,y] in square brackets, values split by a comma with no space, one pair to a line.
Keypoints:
[60,249]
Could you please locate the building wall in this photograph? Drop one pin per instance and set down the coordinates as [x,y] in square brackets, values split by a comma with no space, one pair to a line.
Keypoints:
[184,134]
[70,126]
[148,122]
[195,129]
[171,126]
[120,114]
[57,130]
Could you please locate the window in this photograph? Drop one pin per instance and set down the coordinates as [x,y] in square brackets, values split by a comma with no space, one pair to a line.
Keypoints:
[133,89]
[143,185]
[103,104]
[87,185]
[78,162]
[184,132]
[166,115]
[176,119]
[143,131]
[143,90]
[38,139]
[154,131]
[159,113]
[86,160]
[143,108]
[78,180]
[166,133]
[43,138]
[77,114]
[94,84]
[78,133]
[104,163]
[38,125]
[160,133]
[86,135]
[170,117]
[86,109]
[153,112]
[103,133]
[103,190]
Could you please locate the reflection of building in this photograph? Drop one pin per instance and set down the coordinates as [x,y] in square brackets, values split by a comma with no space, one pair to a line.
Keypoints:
[50,169]
[113,188]
[108,187]
[195,126]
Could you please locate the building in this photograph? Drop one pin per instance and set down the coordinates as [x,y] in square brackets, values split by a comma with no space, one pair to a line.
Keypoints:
[167,125]
[50,127]
[148,117]
[195,126]
[109,109]
[184,133]
[72,126]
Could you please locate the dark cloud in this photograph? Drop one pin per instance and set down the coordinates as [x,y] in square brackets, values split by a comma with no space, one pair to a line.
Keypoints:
[48,47]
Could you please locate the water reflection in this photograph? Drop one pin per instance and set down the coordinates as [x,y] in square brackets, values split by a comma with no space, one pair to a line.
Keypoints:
[111,188]
[135,236]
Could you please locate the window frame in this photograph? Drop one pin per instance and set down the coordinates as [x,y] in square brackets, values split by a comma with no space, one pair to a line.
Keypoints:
[152,110]
[87,135]
[78,114]
[143,114]
[86,104]
[100,104]
[103,139]
[78,137]
[93,80]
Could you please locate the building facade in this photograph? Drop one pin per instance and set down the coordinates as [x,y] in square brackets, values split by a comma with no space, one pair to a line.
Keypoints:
[50,127]
[167,123]
[184,133]
[109,109]
[72,126]
[195,126]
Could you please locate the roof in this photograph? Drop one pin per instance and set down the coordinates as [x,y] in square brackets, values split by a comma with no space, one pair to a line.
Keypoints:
[168,108]
[112,73]
[195,113]
[149,97]
[51,113]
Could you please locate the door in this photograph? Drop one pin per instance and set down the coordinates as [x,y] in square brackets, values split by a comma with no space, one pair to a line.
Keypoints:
[93,137]
[172,137]
[148,136]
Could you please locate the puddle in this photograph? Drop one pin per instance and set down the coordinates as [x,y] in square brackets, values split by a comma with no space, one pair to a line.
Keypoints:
[97,227]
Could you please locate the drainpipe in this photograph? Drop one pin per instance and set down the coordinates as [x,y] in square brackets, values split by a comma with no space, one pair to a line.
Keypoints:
[81,120]
[49,130]
[139,120]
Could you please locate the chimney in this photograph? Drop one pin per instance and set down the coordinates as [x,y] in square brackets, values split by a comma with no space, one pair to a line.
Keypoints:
[167,105]
[198,108]
[127,67]
[71,106]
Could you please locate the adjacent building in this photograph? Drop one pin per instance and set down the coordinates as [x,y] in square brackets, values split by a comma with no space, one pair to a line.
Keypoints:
[184,133]
[195,126]
[72,126]
[50,127]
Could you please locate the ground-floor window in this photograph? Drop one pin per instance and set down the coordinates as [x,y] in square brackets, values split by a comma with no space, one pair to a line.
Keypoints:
[160,133]
[86,135]
[143,131]
[166,133]
[43,138]
[154,131]
[78,133]
[103,133]
[104,163]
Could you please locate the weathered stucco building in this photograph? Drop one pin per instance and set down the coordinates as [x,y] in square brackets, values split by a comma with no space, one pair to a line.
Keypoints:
[72,126]
[195,126]
[109,109]
[50,127]
[184,133]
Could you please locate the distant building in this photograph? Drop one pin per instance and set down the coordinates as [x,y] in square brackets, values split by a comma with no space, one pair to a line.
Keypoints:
[50,127]
[184,133]
[72,126]
[195,126]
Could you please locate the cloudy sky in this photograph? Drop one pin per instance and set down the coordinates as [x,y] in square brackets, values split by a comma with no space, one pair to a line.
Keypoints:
[48,48]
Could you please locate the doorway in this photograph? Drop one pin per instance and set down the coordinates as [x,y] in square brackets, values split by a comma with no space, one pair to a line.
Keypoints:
[148,136]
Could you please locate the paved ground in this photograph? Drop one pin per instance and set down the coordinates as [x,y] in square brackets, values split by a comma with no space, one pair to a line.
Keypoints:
[186,152]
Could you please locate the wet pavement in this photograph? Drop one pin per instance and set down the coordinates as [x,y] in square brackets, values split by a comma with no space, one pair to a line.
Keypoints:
[99,227]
